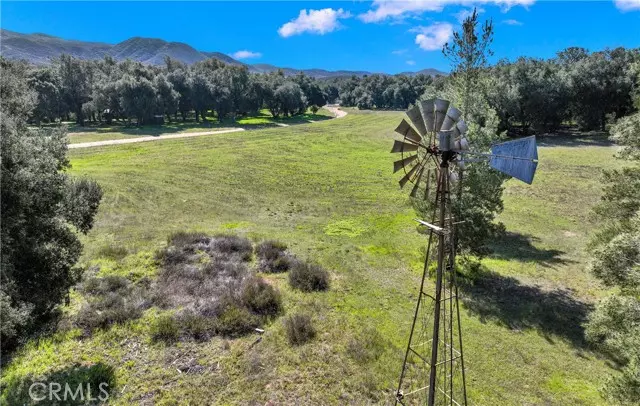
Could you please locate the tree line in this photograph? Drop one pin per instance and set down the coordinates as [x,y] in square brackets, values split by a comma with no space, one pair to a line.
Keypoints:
[106,90]
[528,95]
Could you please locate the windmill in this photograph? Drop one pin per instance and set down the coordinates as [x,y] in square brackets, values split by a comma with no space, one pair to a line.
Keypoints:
[433,147]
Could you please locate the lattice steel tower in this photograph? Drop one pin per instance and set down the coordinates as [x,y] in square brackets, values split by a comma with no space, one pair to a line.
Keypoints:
[434,152]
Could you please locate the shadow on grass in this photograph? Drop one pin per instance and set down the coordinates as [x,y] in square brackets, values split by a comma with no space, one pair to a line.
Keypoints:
[566,139]
[147,130]
[508,302]
[520,247]
[260,120]
[78,385]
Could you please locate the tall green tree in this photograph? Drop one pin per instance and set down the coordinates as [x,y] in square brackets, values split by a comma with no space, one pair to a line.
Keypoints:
[42,210]
[75,82]
[137,98]
[614,325]
[478,197]
[600,85]
[468,52]
[45,83]
[167,97]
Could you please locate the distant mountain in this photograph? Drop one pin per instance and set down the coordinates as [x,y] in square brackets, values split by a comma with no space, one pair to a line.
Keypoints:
[428,71]
[41,48]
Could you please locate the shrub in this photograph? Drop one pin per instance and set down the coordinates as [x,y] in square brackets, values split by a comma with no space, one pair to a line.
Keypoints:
[164,328]
[270,249]
[260,297]
[273,257]
[231,244]
[195,326]
[235,321]
[314,108]
[107,310]
[112,299]
[299,329]
[308,277]
[113,252]
[182,239]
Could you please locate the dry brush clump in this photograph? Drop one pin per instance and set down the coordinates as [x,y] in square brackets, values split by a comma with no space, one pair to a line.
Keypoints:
[299,328]
[273,257]
[209,280]
[110,300]
[308,277]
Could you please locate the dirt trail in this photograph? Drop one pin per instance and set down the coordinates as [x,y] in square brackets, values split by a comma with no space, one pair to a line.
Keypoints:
[150,138]
[335,109]
[332,108]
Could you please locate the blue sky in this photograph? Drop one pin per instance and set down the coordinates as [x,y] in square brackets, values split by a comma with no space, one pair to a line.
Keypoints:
[381,36]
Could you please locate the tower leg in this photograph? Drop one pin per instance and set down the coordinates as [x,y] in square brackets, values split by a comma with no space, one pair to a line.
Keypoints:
[439,274]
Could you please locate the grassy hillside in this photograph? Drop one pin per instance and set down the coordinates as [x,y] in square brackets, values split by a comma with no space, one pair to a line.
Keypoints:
[327,191]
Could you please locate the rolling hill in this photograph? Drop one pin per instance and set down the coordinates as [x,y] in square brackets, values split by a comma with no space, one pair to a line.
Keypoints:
[40,48]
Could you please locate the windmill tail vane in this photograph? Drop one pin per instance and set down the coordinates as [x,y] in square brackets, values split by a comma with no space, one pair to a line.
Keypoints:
[434,143]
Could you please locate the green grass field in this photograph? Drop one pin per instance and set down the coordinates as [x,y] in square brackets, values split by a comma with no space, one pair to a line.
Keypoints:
[118,131]
[327,191]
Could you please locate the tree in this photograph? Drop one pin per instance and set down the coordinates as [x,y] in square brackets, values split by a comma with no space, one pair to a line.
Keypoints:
[614,325]
[75,84]
[571,55]
[270,83]
[468,54]
[42,208]
[201,94]
[44,82]
[167,98]
[479,192]
[137,98]
[600,85]
[311,89]
[291,99]
[179,78]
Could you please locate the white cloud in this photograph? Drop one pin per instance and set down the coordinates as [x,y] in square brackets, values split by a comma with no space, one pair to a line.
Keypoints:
[411,62]
[628,5]
[512,22]
[314,21]
[399,52]
[244,54]
[395,9]
[433,37]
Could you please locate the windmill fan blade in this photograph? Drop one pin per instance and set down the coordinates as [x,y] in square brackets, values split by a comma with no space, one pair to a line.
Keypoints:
[406,177]
[441,111]
[416,119]
[406,130]
[453,115]
[518,158]
[399,146]
[426,108]
[397,165]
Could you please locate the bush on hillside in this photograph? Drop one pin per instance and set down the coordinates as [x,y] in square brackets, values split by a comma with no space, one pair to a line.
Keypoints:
[273,257]
[299,329]
[110,300]
[308,277]
[261,298]
[165,329]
